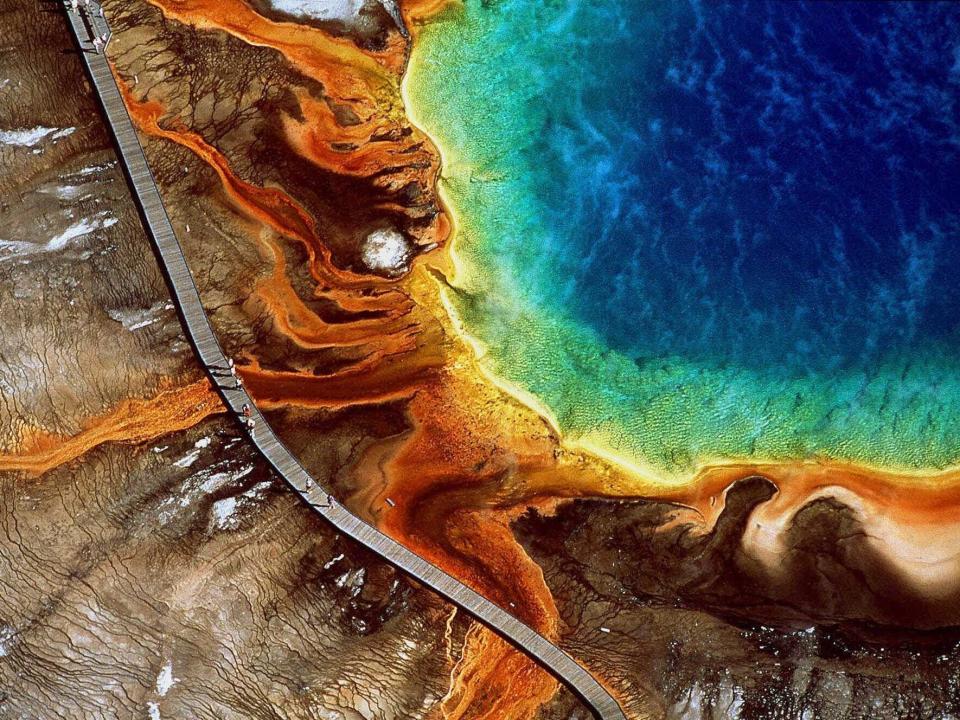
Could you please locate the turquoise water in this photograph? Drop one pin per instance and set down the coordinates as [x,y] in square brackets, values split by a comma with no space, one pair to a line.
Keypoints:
[702,231]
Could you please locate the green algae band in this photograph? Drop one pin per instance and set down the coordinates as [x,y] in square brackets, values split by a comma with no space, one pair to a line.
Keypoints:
[701,232]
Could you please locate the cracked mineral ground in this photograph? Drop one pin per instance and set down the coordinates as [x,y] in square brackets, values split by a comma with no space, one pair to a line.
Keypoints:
[371,197]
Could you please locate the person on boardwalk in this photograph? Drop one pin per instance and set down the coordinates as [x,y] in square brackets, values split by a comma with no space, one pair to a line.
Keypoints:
[245,410]
[97,43]
[75,5]
[239,382]
[251,424]
[146,196]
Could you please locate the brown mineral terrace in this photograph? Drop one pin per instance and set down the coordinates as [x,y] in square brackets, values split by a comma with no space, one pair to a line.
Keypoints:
[210,353]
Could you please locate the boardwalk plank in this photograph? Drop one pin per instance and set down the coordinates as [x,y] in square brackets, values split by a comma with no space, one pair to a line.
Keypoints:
[311,492]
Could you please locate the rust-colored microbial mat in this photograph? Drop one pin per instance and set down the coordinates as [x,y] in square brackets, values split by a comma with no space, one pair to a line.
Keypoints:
[604,360]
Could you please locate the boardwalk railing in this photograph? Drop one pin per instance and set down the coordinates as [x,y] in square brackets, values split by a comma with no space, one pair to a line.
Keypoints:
[87,24]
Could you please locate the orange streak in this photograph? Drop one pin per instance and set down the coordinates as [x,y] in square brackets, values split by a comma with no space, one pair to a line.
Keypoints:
[379,143]
[346,72]
[450,481]
[416,12]
[132,421]
[374,148]
[445,512]
[275,209]
[454,485]
[492,681]
[269,206]
[909,497]
[390,155]
[298,322]
[385,383]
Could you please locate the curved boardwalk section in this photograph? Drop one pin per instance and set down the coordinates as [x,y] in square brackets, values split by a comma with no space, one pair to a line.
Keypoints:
[84,26]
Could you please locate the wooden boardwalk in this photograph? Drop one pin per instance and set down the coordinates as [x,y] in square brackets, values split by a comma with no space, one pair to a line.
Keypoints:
[313,493]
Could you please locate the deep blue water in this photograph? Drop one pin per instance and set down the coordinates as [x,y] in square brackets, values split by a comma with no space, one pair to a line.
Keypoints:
[766,184]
